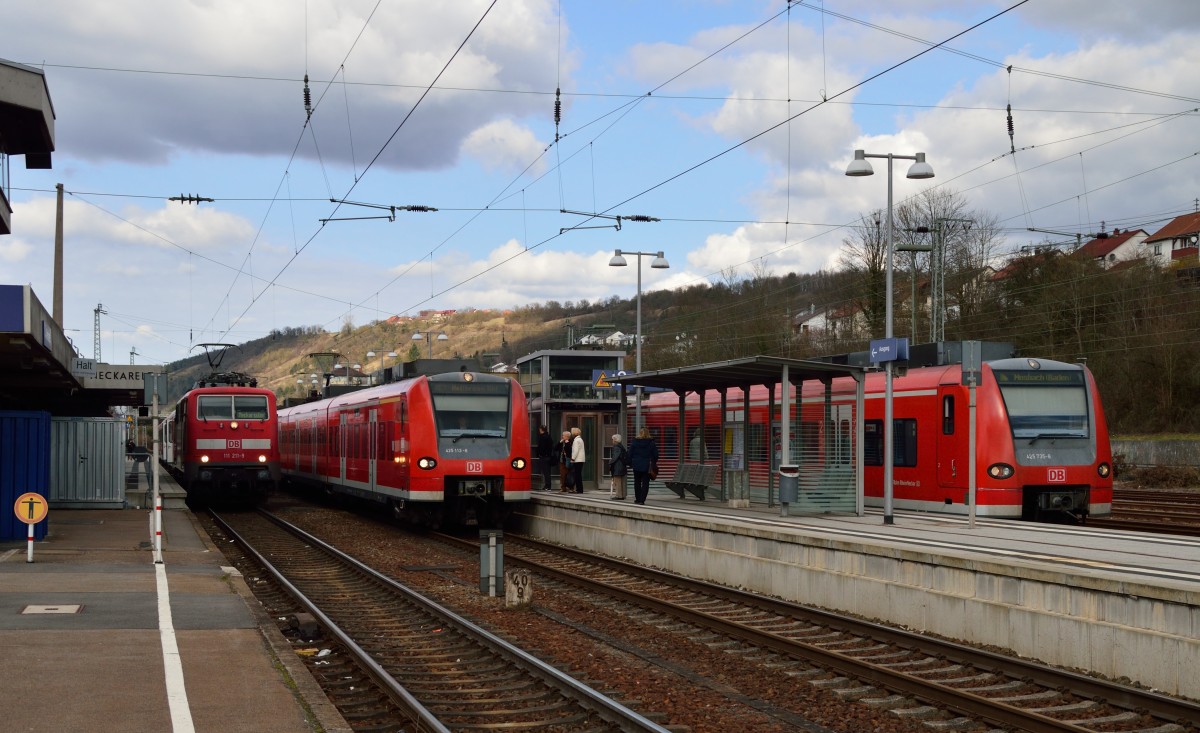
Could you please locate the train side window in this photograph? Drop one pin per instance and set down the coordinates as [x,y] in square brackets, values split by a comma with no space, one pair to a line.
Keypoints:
[948,415]
[904,442]
[873,442]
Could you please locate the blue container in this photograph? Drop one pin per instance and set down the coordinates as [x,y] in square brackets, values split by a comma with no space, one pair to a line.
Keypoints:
[24,467]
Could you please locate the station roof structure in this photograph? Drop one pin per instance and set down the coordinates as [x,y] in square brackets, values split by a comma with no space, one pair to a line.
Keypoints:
[766,370]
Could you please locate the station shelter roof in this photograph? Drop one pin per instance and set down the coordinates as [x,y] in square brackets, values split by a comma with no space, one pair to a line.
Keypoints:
[765,370]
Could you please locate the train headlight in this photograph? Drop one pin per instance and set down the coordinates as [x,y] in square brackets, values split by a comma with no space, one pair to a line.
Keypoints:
[233,425]
[400,459]
[518,463]
[204,459]
[1000,471]
[1104,469]
[426,463]
[262,459]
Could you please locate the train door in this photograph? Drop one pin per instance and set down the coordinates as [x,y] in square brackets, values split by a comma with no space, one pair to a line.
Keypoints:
[589,425]
[373,443]
[952,441]
[342,447]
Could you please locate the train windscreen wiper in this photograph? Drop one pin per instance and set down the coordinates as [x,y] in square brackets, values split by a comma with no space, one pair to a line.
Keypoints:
[1039,436]
[473,435]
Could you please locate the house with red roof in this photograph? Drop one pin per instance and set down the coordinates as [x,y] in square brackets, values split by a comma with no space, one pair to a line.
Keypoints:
[1177,243]
[1120,246]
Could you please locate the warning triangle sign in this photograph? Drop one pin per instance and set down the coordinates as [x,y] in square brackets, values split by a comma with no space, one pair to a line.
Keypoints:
[601,381]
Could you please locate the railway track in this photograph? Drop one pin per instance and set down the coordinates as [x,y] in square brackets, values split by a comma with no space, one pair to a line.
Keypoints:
[428,667]
[1149,510]
[920,678]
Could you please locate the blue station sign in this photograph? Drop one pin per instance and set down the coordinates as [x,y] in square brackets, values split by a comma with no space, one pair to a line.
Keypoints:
[889,350]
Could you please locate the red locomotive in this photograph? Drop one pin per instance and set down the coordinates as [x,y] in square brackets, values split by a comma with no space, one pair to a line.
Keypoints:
[443,449]
[221,444]
[1042,444]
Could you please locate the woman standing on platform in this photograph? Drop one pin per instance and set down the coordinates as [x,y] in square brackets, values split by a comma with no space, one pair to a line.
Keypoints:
[643,455]
[617,465]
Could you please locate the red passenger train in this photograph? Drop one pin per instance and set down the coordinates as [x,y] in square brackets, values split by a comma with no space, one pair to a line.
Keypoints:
[444,449]
[1042,443]
[221,444]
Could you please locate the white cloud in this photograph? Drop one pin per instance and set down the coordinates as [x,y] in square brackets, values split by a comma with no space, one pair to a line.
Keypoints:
[505,145]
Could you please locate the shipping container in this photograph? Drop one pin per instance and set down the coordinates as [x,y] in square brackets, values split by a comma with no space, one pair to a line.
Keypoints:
[24,467]
[87,459]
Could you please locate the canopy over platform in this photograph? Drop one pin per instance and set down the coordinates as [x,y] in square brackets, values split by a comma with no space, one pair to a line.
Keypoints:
[765,370]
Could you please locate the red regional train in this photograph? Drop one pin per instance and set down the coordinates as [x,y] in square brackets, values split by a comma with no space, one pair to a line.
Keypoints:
[221,443]
[1042,444]
[447,449]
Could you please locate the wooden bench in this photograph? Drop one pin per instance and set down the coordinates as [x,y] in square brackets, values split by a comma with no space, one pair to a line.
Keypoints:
[691,477]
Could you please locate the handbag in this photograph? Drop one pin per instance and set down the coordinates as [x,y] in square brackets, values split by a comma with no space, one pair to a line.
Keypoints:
[653,471]
[569,481]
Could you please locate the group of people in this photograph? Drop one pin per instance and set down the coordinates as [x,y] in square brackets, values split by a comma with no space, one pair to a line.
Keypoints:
[570,454]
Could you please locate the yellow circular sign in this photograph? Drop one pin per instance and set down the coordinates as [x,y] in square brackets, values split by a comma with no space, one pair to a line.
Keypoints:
[31,508]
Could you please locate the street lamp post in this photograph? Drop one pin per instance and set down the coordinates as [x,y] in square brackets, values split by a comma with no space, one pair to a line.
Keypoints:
[919,170]
[428,336]
[659,263]
[383,360]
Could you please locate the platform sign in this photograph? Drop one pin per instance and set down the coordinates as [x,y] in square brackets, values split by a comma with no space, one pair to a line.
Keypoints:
[972,363]
[600,379]
[31,508]
[889,350]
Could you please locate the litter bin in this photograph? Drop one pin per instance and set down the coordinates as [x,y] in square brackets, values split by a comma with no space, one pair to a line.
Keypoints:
[789,480]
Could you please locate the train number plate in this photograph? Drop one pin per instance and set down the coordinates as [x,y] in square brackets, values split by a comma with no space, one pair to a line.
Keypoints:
[1056,475]
[474,466]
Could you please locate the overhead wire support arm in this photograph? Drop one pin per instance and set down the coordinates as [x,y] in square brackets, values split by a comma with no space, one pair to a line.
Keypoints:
[391,215]
[617,218]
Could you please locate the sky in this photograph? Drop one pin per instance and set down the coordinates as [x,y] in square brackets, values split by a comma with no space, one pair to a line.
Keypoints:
[730,122]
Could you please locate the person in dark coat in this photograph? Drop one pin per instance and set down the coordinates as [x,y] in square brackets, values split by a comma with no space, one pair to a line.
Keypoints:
[617,465]
[562,451]
[545,454]
[643,453]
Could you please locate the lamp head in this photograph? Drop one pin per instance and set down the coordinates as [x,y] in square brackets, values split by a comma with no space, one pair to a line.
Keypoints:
[859,166]
[370,354]
[418,336]
[443,337]
[920,169]
[617,260]
[660,262]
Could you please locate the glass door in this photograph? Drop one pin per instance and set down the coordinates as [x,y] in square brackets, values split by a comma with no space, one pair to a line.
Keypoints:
[589,425]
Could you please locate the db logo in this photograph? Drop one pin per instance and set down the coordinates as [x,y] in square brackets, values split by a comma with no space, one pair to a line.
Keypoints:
[233,444]
[1056,475]
[474,466]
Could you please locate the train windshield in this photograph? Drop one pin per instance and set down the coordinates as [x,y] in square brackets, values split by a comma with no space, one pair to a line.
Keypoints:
[1045,404]
[471,409]
[230,407]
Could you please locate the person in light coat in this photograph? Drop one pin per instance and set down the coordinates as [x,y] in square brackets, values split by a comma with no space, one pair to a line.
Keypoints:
[578,458]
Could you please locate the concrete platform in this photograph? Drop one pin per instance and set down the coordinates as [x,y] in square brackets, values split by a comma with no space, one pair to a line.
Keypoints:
[95,636]
[1119,604]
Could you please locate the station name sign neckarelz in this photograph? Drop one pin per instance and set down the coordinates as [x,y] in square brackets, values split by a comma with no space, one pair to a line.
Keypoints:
[116,376]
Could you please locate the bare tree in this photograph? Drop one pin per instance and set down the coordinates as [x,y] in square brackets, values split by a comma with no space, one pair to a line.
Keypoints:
[864,254]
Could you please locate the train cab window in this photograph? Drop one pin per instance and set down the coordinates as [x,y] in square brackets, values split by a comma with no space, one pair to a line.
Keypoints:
[250,407]
[904,442]
[215,407]
[948,415]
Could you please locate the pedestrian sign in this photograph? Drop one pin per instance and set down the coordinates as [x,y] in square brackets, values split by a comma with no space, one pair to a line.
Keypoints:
[31,508]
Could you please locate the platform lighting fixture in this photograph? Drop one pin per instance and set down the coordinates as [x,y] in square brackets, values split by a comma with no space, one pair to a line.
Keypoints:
[919,170]
[658,263]
[429,336]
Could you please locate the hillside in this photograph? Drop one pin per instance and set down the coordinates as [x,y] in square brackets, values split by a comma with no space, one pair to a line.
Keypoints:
[1134,326]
